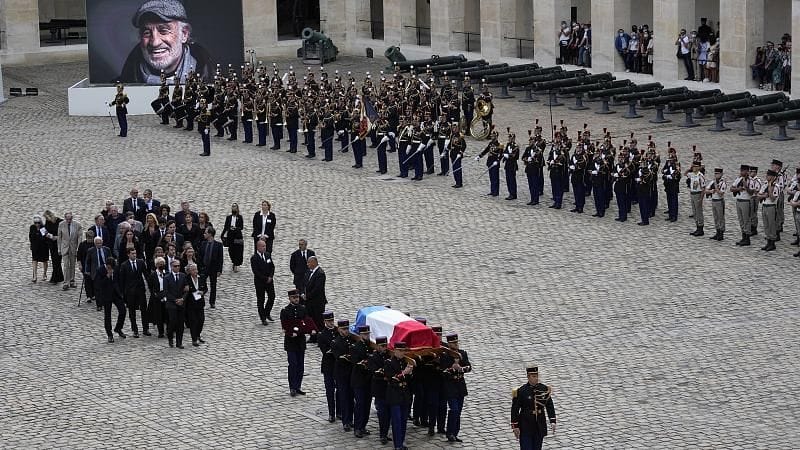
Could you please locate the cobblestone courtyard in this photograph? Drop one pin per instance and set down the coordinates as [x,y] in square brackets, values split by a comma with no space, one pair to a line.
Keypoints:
[650,338]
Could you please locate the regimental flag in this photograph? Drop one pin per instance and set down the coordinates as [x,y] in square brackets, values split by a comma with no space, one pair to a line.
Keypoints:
[396,326]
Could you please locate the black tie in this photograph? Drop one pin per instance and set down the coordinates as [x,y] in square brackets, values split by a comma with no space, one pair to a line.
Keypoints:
[99,232]
[175,275]
[135,204]
[133,264]
[263,258]
[304,254]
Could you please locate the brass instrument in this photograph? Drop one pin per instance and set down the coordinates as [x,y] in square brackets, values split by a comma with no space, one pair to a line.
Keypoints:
[482,108]
[479,128]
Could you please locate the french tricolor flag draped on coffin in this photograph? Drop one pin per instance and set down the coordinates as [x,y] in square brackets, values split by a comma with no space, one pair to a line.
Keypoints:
[396,326]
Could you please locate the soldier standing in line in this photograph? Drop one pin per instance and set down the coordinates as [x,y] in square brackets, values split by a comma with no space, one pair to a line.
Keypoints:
[120,103]
[769,195]
[716,190]
[741,192]
[375,365]
[454,387]
[528,407]
[324,340]
[696,182]
[360,381]
[398,396]
[510,157]
[754,188]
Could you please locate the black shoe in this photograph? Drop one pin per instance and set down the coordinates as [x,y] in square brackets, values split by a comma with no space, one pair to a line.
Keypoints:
[384,440]
[231,138]
[171,343]
[796,255]
[99,307]
[431,431]
[356,166]
[331,419]
[347,429]
[451,438]
[274,148]
[416,422]
[289,151]
[195,344]
[269,317]
[121,334]
[147,333]
[180,346]
[366,432]
[311,156]
[261,145]
[754,231]
[458,186]
[212,305]
[136,334]
[358,434]
[264,322]
[770,246]
[205,154]
[111,339]
[299,392]
[795,242]
[201,341]
[641,224]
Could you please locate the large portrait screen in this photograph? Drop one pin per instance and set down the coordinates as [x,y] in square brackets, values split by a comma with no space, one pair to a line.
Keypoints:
[134,41]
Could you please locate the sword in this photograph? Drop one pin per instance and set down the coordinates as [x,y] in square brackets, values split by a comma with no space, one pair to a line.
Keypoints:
[488,169]
[419,149]
[443,155]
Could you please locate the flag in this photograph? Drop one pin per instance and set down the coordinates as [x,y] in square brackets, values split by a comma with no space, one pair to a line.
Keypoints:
[396,326]
[370,110]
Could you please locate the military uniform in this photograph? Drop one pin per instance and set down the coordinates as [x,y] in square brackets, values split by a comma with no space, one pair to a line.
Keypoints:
[360,381]
[203,124]
[494,153]
[770,194]
[755,184]
[529,404]
[120,103]
[716,189]
[741,193]
[671,175]
[343,368]
[697,182]
[454,387]
[324,340]
[294,321]
[511,158]
[375,364]
[534,168]
[457,147]
[398,395]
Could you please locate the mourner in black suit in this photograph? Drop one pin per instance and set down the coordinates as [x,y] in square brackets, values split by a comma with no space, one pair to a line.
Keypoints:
[96,258]
[314,283]
[157,309]
[131,279]
[136,205]
[298,264]
[232,237]
[195,304]
[263,270]
[108,294]
[151,205]
[264,225]
[211,260]
[100,230]
[175,288]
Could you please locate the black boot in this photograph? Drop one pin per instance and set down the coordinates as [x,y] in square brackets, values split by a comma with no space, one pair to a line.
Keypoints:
[745,240]
[715,236]
[770,245]
[753,231]
[721,235]
[697,232]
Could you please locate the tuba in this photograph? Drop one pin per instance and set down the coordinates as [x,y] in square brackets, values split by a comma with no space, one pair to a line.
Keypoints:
[479,128]
[482,108]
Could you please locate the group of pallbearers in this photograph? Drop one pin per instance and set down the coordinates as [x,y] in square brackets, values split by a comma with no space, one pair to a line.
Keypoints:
[428,386]
[400,113]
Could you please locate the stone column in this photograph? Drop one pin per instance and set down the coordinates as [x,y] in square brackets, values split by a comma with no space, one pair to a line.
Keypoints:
[607,17]
[397,13]
[446,16]
[741,31]
[547,17]
[260,25]
[498,19]
[20,21]
[2,89]
[669,17]
[795,48]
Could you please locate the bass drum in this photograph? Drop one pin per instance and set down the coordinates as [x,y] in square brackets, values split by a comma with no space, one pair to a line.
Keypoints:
[479,128]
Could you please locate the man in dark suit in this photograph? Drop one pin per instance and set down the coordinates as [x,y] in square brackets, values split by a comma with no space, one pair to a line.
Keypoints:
[298,264]
[175,287]
[151,205]
[180,216]
[134,291]
[136,205]
[315,299]
[211,260]
[96,258]
[108,295]
[263,270]
[99,229]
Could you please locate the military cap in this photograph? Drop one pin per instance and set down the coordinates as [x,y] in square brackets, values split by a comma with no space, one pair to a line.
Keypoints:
[452,338]
[717,170]
[327,315]
[437,329]
[421,320]
[381,340]
[343,323]
[744,167]
[753,169]
[777,163]
[400,345]
[532,369]
[294,292]
[363,329]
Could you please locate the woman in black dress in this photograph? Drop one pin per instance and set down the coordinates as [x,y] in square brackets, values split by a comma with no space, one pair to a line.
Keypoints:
[129,239]
[203,222]
[151,237]
[264,225]
[190,231]
[40,249]
[232,237]
[51,225]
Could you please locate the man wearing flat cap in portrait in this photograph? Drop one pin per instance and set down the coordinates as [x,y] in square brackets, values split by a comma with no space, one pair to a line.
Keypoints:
[165,45]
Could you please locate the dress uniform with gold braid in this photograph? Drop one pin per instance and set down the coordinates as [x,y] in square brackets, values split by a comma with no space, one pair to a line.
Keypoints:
[120,103]
[324,340]
[529,404]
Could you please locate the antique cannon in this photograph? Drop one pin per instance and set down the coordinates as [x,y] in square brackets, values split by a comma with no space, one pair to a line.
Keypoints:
[781,118]
[720,109]
[483,73]
[462,71]
[394,55]
[405,66]
[502,78]
[606,94]
[438,69]
[750,113]
[581,89]
[662,101]
[317,48]
[573,79]
[688,106]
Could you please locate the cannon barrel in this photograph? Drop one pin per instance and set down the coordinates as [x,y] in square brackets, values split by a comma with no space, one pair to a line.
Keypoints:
[532,80]
[456,65]
[462,70]
[649,94]
[760,110]
[310,35]
[784,116]
[770,98]
[666,99]
[625,90]
[501,77]
[435,59]
[697,102]
[571,81]
[581,88]
[726,106]
[483,73]
[393,54]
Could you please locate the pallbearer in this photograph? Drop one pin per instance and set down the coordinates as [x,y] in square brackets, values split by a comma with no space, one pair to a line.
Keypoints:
[529,404]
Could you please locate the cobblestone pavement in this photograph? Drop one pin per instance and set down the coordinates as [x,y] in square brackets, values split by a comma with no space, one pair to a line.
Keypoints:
[651,338]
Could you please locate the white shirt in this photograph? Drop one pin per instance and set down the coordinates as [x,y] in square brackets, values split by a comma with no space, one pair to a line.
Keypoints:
[696,182]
